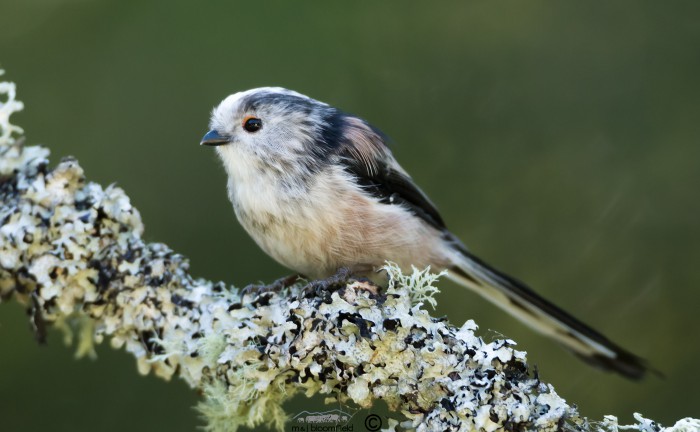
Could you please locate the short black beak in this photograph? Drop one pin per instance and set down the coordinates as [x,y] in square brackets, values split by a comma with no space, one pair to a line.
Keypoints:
[213,138]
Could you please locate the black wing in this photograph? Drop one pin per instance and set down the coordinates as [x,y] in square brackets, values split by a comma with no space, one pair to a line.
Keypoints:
[393,187]
[364,154]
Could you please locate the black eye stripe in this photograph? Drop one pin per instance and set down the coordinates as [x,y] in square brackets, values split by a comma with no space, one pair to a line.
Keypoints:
[252,124]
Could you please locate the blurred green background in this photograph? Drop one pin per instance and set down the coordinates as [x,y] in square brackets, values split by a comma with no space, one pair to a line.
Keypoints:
[561,141]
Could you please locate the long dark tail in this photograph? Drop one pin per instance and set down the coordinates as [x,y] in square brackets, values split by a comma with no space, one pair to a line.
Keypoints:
[525,304]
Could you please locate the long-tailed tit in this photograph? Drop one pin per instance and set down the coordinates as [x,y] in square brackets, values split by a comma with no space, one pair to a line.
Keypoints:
[319,190]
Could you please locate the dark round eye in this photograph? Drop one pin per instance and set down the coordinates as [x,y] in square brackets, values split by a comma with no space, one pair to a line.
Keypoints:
[252,124]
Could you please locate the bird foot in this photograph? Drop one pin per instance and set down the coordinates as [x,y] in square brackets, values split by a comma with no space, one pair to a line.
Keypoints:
[318,287]
[278,285]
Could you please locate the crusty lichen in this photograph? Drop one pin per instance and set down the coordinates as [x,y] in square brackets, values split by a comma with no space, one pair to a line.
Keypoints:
[7,108]
[610,424]
[72,251]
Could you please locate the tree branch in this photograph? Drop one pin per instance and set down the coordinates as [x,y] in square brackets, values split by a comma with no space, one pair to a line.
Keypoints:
[72,249]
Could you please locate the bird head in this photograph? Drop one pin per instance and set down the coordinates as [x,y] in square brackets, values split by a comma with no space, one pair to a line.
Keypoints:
[270,121]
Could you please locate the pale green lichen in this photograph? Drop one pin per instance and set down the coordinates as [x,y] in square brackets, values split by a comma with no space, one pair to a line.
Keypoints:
[239,402]
[85,328]
[422,283]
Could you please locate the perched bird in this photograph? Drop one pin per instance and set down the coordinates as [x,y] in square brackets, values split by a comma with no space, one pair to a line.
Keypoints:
[319,190]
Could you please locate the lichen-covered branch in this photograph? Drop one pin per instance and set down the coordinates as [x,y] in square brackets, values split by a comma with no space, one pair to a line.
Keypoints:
[72,249]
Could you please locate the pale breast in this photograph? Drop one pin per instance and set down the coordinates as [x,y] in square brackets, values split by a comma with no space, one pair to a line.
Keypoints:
[319,226]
